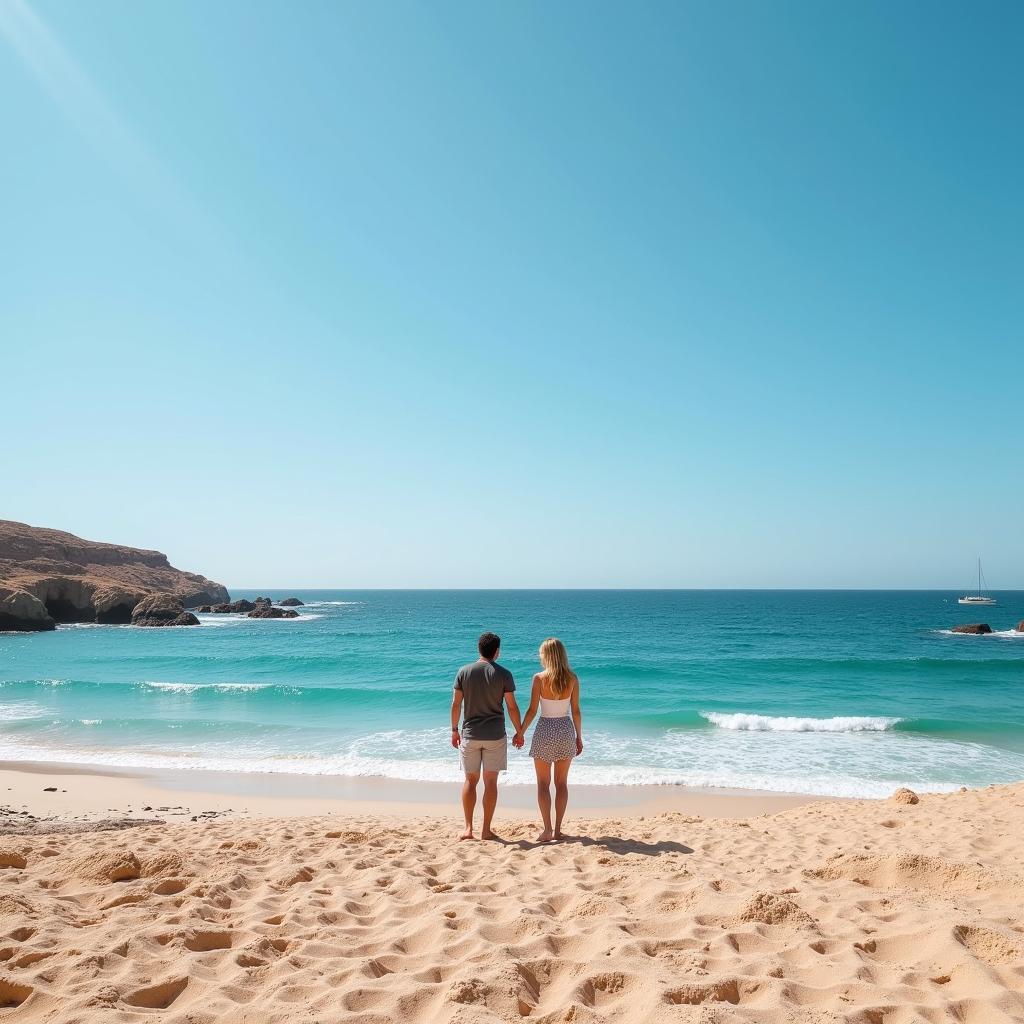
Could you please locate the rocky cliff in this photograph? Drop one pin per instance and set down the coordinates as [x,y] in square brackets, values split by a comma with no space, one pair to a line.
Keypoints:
[47,577]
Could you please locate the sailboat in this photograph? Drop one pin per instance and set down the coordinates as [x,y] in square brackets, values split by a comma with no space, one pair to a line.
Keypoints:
[982,596]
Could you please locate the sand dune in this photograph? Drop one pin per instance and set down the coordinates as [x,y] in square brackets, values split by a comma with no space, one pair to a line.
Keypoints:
[860,912]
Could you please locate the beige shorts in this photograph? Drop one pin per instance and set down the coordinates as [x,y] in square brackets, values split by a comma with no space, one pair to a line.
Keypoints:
[484,755]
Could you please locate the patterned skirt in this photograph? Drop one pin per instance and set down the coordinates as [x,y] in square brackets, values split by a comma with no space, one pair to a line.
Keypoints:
[554,739]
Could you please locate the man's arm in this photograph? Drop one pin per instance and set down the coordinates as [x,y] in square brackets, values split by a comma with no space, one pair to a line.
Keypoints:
[456,712]
[513,713]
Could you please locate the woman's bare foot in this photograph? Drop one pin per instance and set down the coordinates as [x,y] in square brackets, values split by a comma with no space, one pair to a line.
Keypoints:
[489,835]
[558,835]
[545,837]
[468,834]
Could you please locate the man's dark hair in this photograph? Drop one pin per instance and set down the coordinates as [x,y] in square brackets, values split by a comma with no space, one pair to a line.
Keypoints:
[488,645]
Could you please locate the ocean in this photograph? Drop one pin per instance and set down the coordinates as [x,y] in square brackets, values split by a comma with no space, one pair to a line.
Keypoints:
[844,693]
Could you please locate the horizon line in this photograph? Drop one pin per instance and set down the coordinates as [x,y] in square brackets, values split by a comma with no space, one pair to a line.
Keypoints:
[837,589]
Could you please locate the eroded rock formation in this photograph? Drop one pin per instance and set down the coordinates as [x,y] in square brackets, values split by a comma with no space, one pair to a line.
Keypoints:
[48,576]
[973,627]
[162,610]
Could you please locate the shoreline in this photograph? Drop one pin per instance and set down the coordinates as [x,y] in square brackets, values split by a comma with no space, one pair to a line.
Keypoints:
[90,792]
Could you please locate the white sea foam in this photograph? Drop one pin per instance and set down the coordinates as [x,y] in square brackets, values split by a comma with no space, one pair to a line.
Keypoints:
[1005,634]
[20,711]
[325,604]
[195,687]
[741,722]
[819,764]
[91,721]
[228,619]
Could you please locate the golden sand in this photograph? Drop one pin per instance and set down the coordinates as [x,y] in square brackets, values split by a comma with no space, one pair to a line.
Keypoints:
[867,912]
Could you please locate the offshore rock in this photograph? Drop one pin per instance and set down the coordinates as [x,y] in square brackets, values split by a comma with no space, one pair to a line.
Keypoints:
[266,611]
[294,602]
[162,610]
[233,606]
[977,628]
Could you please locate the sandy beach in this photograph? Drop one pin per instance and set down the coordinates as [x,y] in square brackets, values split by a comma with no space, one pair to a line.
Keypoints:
[828,911]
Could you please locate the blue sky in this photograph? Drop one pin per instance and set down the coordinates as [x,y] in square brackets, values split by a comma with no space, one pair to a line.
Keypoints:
[460,294]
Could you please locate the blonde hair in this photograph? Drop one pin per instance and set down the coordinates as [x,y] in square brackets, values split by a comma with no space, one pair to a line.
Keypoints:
[557,673]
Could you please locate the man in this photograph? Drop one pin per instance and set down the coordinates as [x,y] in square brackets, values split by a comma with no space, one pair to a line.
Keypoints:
[482,689]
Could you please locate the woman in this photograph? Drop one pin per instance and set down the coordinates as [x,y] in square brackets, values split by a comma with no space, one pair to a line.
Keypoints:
[557,738]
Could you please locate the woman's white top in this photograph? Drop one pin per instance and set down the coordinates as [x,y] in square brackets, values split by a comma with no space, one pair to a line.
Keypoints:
[554,708]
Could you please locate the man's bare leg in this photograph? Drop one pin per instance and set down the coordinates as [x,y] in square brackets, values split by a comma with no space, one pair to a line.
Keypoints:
[469,803]
[490,802]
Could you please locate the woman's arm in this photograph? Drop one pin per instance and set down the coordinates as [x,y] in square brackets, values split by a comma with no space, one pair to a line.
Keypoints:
[531,711]
[577,717]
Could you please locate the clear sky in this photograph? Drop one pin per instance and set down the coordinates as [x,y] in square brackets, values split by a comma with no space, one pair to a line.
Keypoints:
[518,294]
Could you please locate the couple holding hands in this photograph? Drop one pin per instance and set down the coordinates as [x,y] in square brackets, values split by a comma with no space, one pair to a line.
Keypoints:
[483,690]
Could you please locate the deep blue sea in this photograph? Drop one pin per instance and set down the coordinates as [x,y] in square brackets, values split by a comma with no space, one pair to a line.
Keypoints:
[823,692]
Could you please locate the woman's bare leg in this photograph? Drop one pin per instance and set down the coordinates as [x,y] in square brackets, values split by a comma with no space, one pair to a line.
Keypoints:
[543,770]
[561,793]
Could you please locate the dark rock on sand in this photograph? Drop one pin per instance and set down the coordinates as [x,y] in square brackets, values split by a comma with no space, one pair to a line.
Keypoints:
[162,610]
[266,611]
[978,628]
[292,602]
[48,576]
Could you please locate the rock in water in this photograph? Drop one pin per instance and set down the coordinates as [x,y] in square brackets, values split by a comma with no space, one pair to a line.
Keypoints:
[234,606]
[162,610]
[977,628]
[266,611]
[294,602]
[1020,626]
[48,577]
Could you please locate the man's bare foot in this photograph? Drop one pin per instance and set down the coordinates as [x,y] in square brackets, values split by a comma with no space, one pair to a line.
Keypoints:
[488,834]
[468,834]
[545,837]
[558,835]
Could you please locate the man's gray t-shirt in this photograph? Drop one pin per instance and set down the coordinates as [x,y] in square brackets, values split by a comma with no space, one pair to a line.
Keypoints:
[484,685]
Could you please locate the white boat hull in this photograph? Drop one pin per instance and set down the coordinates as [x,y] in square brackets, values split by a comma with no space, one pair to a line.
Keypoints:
[977,600]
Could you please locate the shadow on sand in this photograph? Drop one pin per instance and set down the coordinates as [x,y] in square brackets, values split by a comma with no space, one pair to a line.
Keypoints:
[613,844]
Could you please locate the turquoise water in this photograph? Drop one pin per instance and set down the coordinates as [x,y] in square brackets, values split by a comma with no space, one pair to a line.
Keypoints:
[832,692]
